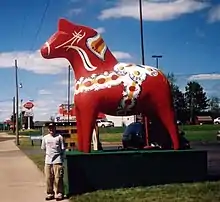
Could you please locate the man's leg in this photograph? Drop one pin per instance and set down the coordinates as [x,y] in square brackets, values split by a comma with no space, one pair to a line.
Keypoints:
[49,174]
[58,172]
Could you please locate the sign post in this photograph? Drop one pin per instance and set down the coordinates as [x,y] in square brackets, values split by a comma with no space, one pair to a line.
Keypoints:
[29,113]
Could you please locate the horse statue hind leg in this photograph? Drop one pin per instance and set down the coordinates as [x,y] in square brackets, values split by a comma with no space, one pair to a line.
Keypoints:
[105,85]
[157,104]
[166,115]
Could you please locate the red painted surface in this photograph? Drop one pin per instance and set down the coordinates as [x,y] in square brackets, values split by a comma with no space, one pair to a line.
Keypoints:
[105,85]
[28,105]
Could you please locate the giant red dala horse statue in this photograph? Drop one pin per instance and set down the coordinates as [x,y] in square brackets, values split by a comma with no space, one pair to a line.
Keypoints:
[105,85]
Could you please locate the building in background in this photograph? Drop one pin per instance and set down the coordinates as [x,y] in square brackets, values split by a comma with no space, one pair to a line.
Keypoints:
[62,116]
[121,120]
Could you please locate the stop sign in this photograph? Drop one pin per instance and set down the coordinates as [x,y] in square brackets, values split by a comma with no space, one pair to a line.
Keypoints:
[28,105]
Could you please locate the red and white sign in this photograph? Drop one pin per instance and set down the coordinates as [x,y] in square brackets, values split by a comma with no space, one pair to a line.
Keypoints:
[28,105]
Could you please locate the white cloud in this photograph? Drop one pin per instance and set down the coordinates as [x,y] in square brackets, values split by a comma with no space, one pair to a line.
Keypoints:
[153,10]
[33,61]
[65,82]
[44,92]
[214,14]
[121,55]
[44,106]
[47,107]
[100,30]
[74,11]
[204,77]
[6,110]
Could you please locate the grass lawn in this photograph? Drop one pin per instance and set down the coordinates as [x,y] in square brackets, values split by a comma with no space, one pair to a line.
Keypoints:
[27,133]
[204,136]
[33,152]
[192,192]
[113,130]
[186,192]
[193,133]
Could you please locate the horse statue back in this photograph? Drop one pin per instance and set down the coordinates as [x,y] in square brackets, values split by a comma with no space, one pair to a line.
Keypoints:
[102,84]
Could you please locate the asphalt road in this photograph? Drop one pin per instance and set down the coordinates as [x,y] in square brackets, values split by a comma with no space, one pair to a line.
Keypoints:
[213,156]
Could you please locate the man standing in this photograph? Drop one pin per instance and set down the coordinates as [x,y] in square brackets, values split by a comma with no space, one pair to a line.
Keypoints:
[53,144]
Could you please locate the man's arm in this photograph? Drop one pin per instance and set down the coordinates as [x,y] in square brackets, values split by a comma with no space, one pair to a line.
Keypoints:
[43,144]
[62,146]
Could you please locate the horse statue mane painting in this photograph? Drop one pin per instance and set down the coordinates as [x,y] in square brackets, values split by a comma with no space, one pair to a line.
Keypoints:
[102,84]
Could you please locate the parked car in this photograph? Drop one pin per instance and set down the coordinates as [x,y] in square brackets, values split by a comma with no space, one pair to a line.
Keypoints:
[104,123]
[216,120]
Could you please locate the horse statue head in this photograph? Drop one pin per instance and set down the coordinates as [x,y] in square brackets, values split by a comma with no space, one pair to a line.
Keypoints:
[82,46]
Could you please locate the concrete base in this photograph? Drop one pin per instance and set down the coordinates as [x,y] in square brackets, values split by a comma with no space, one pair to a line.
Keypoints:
[117,169]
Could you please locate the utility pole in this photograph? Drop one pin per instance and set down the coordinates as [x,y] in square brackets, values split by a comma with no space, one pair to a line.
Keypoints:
[68,94]
[157,59]
[21,115]
[13,115]
[16,85]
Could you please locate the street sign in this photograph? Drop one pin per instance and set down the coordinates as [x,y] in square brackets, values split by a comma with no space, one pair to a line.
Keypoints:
[28,105]
[27,113]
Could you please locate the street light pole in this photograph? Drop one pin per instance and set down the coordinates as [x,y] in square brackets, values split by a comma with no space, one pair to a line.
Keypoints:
[13,120]
[21,115]
[157,59]
[16,86]
[142,33]
[68,96]
[142,46]
[145,120]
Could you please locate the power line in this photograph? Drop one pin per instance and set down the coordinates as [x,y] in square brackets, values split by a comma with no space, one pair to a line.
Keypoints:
[193,74]
[41,23]
[6,100]
[39,28]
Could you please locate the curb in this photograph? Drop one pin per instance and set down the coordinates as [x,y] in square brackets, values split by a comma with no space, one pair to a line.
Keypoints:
[111,143]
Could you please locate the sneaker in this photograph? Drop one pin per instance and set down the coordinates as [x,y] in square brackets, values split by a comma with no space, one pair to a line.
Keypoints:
[49,197]
[59,197]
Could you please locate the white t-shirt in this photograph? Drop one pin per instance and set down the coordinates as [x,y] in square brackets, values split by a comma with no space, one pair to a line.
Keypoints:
[54,146]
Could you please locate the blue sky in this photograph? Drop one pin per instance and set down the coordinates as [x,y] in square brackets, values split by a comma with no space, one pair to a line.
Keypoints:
[185,32]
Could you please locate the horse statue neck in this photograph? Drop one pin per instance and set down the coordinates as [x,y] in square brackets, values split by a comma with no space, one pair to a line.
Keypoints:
[86,62]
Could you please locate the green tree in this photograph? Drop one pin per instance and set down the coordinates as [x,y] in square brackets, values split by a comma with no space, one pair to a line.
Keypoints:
[196,98]
[171,78]
[178,98]
[52,118]
[214,105]
[13,119]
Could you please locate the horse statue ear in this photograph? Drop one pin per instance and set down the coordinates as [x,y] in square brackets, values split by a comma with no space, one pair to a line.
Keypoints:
[65,25]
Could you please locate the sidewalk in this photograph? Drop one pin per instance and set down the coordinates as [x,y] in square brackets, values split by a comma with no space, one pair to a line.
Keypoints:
[21,180]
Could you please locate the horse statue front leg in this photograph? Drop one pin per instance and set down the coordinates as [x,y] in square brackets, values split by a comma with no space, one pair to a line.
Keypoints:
[79,130]
[87,125]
